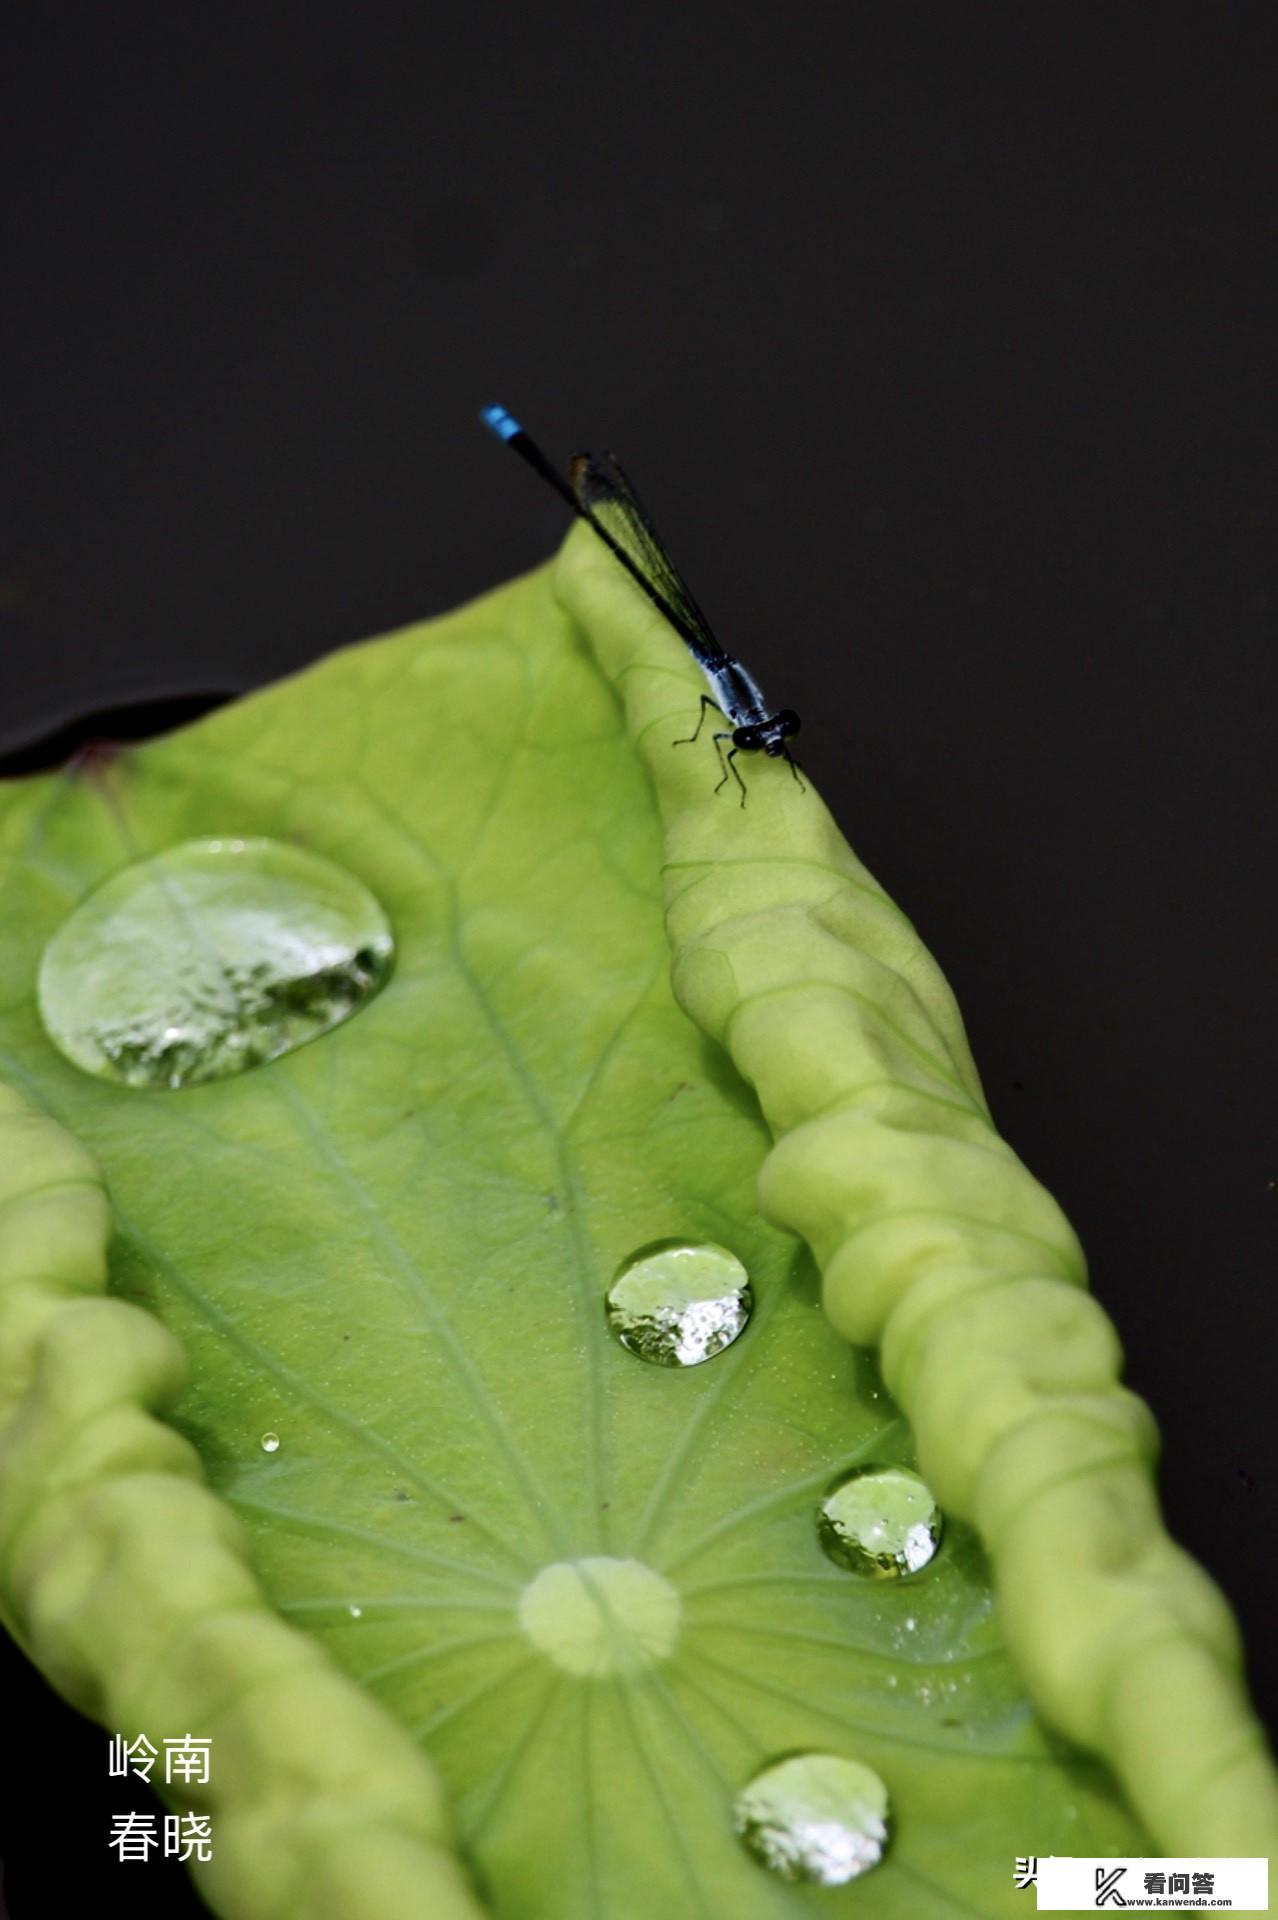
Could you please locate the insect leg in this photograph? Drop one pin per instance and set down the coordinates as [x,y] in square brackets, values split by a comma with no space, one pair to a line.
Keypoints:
[706,701]
[727,765]
[794,768]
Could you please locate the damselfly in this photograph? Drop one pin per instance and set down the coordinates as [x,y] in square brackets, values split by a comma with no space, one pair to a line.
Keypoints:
[598,490]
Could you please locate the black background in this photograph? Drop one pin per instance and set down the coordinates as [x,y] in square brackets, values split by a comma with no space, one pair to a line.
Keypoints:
[940,339]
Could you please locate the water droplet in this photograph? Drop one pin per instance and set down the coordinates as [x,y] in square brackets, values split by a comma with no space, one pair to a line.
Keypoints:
[600,1615]
[210,958]
[270,1443]
[814,1817]
[880,1522]
[356,1613]
[678,1304]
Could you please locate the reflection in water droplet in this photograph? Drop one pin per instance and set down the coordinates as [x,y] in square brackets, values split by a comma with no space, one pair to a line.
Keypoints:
[678,1304]
[880,1522]
[212,957]
[814,1817]
[270,1443]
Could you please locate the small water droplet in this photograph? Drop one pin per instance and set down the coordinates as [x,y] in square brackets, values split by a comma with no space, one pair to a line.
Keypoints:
[356,1613]
[600,1615]
[270,1443]
[815,1817]
[677,1303]
[880,1522]
[210,958]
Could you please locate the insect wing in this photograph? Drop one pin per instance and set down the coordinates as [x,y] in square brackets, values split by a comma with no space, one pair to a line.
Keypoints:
[607,499]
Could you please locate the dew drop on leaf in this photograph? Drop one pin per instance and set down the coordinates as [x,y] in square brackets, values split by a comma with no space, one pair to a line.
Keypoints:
[210,958]
[880,1522]
[814,1817]
[677,1303]
[270,1443]
[600,1615]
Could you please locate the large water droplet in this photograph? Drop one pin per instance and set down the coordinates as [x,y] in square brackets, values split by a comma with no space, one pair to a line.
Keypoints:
[880,1522]
[678,1304]
[270,1443]
[814,1816]
[212,957]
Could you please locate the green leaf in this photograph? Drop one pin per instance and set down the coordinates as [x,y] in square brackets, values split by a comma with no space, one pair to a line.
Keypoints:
[389,1249]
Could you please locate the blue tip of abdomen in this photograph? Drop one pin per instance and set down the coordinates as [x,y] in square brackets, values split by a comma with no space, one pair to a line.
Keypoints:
[503,424]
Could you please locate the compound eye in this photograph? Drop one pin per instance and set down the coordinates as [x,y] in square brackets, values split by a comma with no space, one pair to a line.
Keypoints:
[747,738]
[788,722]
